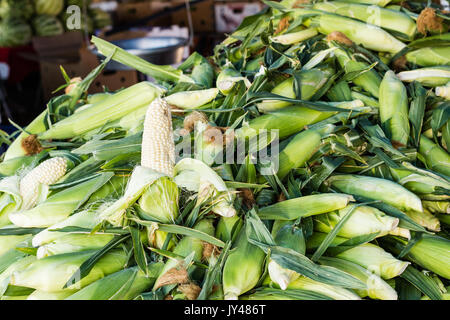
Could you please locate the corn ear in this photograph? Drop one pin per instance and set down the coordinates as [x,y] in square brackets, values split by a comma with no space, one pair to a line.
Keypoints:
[429,77]
[74,243]
[394,108]
[364,220]
[370,36]
[429,56]
[160,201]
[50,274]
[377,189]
[295,37]
[375,259]
[305,206]
[185,247]
[384,18]
[37,126]
[299,150]
[196,176]
[60,205]
[107,110]
[377,288]
[192,99]
[243,268]
[333,292]
[430,252]
[122,285]
[311,82]
[437,206]
[436,158]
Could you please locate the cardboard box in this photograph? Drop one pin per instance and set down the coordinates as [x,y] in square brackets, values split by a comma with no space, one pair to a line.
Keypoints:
[202,15]
[131,12]
[63,48]
[52,78]
[230,14]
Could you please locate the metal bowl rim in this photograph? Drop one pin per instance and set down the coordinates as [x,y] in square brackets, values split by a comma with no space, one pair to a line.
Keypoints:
[183,42]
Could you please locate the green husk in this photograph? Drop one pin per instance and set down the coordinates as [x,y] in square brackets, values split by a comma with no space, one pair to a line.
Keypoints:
[394,108]
[305,206]
[436,158]
[243,268]
[123,285]
[430,56]
[50,274]
[364,220]
[377,288]
[60,205]
[377,189]
[375,259]
[159,202]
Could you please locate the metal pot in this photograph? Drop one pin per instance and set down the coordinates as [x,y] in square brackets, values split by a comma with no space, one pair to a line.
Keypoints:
[157,50]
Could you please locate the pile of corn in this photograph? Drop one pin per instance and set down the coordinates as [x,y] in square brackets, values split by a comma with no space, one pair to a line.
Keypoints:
[160,191]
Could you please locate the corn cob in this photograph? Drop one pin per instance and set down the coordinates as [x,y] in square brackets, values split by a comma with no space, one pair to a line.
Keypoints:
[311,81]
[370,36]
[192,99]
[377,288]
[16,149]
[369,81]
[331,291]
[242,269]
[60,205]
[299,150]
[160,199]
[429,56]
[375,259]
[394,108]
[174,273]
[109,109]
[384,18]
[46,173]
[364,220]
[73,243]
[444,91]
[123,285]
[158,149]
[227,79]
[50,274]
[287,235]
[295,37]
[429,77]
[377,189]
[431,252]
[305,206]
[436,158]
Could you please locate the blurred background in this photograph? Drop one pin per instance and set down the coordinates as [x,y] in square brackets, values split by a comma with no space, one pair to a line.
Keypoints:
[39,38]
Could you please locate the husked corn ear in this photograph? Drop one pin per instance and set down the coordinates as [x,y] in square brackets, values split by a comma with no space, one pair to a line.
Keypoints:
[158,148]
[47,173]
